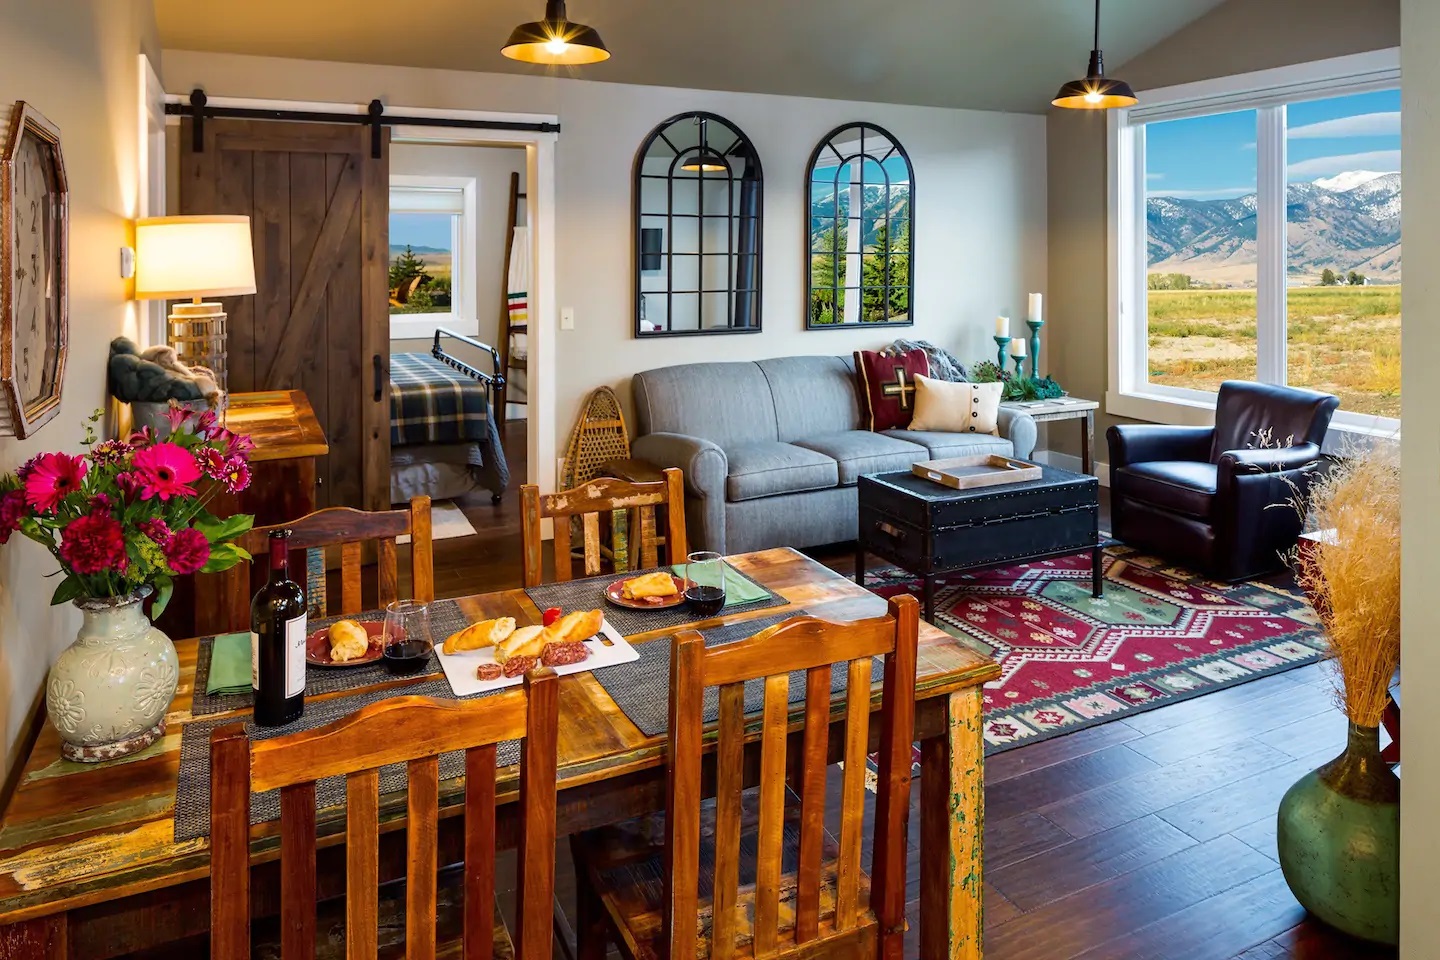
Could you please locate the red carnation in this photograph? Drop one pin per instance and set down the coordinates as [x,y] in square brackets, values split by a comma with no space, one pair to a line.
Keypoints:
[156,529]
[94,543]
[188,551]
[12,511]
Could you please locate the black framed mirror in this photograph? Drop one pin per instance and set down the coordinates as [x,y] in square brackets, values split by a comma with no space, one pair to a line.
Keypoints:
[699,203]
[860,193]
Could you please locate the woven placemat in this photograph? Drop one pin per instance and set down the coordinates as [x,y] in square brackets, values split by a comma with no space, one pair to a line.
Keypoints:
[446,618]
[192,789]
[642,688]
[590,593]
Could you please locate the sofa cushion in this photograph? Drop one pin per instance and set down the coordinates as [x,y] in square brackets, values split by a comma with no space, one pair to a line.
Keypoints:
[726,403]
[945,445]
[769,468]
[812,395]
[1181,486]
[887,387]
[946,407]
[860,451]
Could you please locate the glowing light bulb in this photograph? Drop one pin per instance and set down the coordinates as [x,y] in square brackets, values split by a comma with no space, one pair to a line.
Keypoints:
[1092,97]
[556,45]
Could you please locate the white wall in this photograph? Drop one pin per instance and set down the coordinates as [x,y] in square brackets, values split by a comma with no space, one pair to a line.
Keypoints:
[980,240]
[77,62]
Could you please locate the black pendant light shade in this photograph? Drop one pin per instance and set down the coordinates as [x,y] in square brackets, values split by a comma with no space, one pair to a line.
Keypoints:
[707,160]
[1096,91]
[555,40]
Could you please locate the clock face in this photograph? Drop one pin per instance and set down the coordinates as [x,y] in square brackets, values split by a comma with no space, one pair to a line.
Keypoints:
[37,265]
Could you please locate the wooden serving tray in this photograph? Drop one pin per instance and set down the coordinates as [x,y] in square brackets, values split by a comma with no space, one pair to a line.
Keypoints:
[978,470]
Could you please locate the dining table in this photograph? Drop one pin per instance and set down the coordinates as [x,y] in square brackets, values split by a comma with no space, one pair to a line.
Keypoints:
[90,864]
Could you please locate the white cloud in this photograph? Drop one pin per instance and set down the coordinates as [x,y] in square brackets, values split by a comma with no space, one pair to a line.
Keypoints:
[1361,125]
[1154,176]
[1380,160]
[1213,193]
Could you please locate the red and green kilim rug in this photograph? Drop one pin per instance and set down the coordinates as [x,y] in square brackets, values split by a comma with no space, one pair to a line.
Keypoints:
[1160,634]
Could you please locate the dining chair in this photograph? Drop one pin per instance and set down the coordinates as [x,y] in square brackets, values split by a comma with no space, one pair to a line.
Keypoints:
[350,530]
[589,502]
[413,731]
[755,872]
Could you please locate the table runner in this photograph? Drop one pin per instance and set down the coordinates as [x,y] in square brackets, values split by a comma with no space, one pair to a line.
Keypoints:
[590,592]
[446,618]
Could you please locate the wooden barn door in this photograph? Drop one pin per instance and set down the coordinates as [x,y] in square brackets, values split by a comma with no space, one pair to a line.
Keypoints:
[319,321]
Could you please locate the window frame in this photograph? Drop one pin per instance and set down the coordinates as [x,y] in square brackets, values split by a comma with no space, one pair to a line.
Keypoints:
[464,316]
[1129,393]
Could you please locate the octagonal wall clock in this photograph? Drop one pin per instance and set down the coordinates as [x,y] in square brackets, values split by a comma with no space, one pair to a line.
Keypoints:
[34,281]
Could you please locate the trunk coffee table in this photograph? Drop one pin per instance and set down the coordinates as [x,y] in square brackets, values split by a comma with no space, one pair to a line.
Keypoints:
[932,530]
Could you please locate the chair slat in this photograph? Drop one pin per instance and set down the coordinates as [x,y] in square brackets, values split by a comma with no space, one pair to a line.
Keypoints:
[387,572]
[479,852]
[683,795]
[772,813]
[535,880]
[422,555]
[730,780]
[561,546]
[852,793]
[351,557]
[812,803]
[297,872]
[362,865]
[422,826]
[230,844]
[892,800]
[590,523]
[798,644]
[649,546]
[530,535]
[676,545]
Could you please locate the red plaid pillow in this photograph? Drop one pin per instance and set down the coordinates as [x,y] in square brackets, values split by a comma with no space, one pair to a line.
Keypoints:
[887,387]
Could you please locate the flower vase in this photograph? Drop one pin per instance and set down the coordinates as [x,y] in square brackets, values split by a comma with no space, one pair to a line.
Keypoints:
[1338,834]
[108,692]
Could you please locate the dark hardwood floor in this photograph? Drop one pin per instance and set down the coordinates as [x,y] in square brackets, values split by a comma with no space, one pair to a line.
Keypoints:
[1152,836]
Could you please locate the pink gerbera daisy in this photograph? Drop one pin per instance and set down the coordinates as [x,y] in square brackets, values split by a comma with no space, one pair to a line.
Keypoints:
[166,470]
[53,476]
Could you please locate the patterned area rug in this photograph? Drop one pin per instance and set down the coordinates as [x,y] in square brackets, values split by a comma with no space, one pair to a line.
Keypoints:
[1160,634]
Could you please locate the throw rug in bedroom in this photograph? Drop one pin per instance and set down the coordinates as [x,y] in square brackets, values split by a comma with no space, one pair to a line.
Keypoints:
[1160,634]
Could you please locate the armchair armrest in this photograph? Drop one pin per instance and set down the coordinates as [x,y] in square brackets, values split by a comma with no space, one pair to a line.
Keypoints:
[705,467]
[1138,443]
[1269,459]
[1018,427]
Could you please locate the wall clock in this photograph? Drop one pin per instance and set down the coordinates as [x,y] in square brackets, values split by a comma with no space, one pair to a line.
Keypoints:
[34,282]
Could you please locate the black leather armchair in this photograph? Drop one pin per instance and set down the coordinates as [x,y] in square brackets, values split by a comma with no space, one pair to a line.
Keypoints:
[1213,498]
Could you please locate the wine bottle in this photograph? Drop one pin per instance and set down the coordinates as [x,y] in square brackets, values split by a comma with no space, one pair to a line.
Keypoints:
[277,641]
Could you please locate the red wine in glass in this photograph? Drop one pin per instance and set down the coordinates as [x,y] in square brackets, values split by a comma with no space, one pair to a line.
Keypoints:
[705,601]
[705,583]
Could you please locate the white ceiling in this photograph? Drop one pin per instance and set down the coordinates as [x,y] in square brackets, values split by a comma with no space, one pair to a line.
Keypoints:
[985,54]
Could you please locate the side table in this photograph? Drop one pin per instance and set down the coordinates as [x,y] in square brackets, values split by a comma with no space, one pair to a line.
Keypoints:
[1066,408]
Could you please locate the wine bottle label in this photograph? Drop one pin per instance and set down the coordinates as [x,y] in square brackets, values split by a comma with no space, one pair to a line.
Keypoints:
[295,656]
[254,661]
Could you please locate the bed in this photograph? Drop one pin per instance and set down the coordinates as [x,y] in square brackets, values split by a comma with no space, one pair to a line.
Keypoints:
[444,435]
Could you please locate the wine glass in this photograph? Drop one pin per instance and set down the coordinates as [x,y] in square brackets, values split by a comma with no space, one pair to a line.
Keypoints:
[406,637]
[705,582]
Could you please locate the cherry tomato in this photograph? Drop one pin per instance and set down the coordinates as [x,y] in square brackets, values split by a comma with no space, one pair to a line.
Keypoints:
[551,615]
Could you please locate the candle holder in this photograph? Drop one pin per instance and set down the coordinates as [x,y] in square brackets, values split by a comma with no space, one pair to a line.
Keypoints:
[1035,326]
[1001,343]
[1019,367]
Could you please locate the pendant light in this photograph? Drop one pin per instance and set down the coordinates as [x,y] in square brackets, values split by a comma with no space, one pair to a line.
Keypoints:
[555,40]
[705,160]
[1096,91]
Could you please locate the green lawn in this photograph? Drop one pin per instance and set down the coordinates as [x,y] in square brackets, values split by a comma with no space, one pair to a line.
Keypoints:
[1343,340]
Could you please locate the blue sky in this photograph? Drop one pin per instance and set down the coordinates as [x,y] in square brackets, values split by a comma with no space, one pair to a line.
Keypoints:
[420,230]
[1213,157]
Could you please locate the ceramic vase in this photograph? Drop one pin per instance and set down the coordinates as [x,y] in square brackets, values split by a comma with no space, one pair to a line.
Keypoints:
[1339,840]
[108,692]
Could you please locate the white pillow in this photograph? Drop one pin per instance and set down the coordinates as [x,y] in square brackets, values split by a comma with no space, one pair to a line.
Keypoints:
[949,407]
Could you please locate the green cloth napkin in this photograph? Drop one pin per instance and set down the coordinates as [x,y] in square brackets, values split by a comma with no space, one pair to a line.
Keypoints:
[738,587]
[229,665]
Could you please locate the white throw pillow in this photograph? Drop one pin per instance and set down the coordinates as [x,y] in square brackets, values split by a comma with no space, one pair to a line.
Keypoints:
[949,407]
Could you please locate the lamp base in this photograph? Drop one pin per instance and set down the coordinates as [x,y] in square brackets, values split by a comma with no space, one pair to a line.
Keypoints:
[197,332]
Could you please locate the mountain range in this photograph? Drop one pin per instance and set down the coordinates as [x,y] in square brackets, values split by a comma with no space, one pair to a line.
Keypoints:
[1350,221]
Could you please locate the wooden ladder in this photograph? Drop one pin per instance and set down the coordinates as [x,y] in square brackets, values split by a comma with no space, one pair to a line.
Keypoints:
[508,328]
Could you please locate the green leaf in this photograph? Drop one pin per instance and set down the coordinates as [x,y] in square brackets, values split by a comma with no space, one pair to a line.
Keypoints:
[223,556]
[71,588]
[227,529]
[164,588]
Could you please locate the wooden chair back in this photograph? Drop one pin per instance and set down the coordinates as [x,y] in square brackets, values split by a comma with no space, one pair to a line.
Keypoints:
[588,501]
[813,646]
[413,731]
[350,530]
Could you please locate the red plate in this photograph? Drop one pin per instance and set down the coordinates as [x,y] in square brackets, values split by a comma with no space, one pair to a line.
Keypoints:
[317,646]
[614,593]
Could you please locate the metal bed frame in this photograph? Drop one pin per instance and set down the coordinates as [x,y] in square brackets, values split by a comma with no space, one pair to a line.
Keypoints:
[494,382]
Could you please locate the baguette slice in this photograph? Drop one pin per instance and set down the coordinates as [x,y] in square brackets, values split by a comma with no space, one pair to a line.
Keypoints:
[486,633]
[657,584]
[580,625]
[525,642]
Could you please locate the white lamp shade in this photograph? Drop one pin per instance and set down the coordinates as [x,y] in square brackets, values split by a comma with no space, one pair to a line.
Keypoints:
[206,256]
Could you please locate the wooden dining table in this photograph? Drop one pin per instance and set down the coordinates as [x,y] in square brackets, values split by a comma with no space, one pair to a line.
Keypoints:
[90,867]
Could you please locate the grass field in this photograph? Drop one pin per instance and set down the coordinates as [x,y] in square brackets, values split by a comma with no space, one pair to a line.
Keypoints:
[1343,340]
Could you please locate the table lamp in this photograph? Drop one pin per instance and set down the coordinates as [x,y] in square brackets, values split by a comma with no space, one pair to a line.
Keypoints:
[196,256]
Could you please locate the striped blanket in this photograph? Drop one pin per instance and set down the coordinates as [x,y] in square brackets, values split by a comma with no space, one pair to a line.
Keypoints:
[430,403]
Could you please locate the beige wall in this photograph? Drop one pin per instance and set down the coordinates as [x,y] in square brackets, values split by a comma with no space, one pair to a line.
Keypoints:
[77,62]
[1237,37]
[980,217]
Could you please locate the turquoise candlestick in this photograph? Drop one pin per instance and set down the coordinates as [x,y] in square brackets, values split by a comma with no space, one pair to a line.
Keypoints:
[1019,367]
[1035,326]
[1000,352]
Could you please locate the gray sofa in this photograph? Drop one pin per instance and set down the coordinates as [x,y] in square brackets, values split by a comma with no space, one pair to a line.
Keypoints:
[771,449]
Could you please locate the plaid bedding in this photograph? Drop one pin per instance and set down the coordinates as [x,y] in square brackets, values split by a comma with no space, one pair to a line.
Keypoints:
[431,403]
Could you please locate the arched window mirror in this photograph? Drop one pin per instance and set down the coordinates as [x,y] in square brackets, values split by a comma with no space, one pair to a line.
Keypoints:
[698,205]
[861,194]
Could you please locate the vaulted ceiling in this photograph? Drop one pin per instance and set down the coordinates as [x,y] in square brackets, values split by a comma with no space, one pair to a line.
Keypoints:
[983,54]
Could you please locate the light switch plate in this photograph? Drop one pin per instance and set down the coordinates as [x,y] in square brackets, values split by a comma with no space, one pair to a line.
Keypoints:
[567,318]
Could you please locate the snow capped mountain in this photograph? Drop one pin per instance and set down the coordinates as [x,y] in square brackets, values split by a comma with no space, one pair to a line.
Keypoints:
[1347,180]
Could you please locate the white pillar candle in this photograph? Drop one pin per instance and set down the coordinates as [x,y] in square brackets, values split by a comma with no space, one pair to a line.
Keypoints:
[1017,347]
[1035,307]
[1002,326]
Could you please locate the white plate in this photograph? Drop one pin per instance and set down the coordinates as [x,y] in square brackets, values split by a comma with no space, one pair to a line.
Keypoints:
[607,648]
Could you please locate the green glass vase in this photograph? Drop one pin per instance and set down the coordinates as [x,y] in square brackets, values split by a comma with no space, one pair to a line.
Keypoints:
[1339,838]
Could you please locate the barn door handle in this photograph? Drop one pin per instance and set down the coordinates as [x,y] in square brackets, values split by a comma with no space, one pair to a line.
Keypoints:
[379,377]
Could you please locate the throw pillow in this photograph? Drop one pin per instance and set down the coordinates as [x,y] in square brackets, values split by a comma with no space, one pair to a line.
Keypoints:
[887,387]
[956,407]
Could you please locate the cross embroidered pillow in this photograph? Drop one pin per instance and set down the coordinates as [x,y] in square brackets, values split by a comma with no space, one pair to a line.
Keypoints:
[887,387]
[956,407]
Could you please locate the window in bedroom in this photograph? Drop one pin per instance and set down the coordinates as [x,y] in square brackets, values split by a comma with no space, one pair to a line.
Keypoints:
[432,251]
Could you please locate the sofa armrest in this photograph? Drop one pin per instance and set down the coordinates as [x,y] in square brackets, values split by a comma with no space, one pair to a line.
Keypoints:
[705,467]
[1018,427]
[1269,459]
[1140,442]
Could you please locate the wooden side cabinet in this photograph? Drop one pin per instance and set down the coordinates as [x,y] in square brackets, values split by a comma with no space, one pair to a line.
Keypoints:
[288,438]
